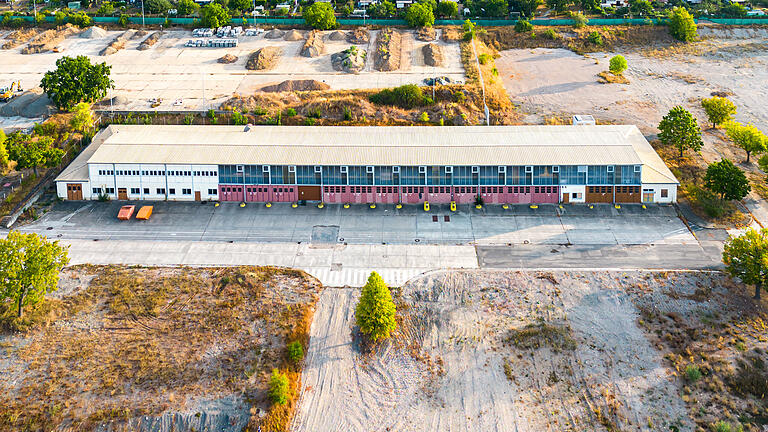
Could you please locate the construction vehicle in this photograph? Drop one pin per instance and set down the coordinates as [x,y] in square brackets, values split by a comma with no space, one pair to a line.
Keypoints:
[6,94]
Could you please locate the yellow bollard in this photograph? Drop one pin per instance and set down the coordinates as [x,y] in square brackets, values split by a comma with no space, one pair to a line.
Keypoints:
[426,205]
[242,204]
[294,205]
[617,206]
[268,205]
[373,205]
[399,206]
[216,205]
[346,205]
[505,207]
[534,206]
[321,205]
[453,205]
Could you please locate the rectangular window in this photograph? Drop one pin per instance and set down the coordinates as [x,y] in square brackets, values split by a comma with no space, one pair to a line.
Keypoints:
[186,191]
[664,193]
[161,191]
[146,191]
[96,190]
[171,191]
[110,190]
[135,191]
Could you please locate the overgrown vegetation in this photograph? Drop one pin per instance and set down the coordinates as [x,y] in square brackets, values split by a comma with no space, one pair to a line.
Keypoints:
[200,332]
[406,96]
[542,334]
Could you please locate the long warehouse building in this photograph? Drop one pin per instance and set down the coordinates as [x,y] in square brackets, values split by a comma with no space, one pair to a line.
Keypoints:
[371,164]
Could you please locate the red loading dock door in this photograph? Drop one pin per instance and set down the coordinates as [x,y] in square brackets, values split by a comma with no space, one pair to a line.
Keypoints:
[310,193]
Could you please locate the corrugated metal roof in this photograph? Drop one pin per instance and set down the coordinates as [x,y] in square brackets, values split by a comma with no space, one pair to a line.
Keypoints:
[374,145]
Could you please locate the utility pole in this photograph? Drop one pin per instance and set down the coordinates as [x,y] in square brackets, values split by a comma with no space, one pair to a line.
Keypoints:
[142,13]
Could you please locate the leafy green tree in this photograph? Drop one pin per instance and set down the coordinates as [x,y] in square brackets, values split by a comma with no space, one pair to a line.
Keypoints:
[679,129]
[447,9]
[3,152]
[746,257]
[618,64]
[595,38]
[320,16]
[420,15]
[748,137]
[640,7]
[559,6]
[763,163]
[106,8]
[727,180]
[214,16]
[383,9]
[278,388]
[375,313]
[33,153]
[82,121]
[29,268]
[733,10]
[469,30]
[158,6]
[719,110]
[76,80]
[681,25]
[496,8]
[123,21]
[526,7]
[239,5]
[590,5]
[187,7]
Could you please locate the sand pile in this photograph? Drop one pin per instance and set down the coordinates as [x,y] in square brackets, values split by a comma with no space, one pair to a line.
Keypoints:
[48,39]
[274,34]
[351,60]
[19,37]
[293,35]
[117,44]
[426,34]
[113,102]
[433,54]
[227,59]
[264,58]
[148,42]
[296,85]
[337,35]
[359,36]
[313,46]
[93,33]
[387,57]
[138,34]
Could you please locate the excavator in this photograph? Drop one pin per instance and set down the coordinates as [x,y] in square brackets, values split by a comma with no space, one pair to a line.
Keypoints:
[6,94]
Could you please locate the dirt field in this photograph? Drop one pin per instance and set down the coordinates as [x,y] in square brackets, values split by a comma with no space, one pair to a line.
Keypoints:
[160,349]
[529,351]
[170,71]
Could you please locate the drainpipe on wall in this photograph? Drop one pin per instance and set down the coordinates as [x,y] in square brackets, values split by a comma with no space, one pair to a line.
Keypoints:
[165,172]
[114,177]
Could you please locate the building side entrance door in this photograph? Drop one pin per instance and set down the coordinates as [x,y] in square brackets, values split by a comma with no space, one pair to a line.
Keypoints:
[122,194]
[310,193]
[74,191]
[197,196]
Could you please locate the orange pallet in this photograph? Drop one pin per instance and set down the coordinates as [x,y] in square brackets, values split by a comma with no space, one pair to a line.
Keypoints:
[144,213]
[125,212]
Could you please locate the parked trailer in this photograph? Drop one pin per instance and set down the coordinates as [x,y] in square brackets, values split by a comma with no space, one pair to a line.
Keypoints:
[125,212]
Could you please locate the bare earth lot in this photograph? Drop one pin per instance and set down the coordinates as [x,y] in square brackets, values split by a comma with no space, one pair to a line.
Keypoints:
[171,71]
[531,351]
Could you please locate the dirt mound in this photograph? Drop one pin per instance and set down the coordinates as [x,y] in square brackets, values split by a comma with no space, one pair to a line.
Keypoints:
[93,33]
[30,104]
[387,57]
[452,35]
[115,101]
[148,42]
[48,39]
[227,58]
[274,34]
[433,54]
[264,58]
[117,44]
[139,34]
[359,36]
[293,35]
[351,60]
[426,34]
[313,46]
[337,35]
[296,85]
[19,37]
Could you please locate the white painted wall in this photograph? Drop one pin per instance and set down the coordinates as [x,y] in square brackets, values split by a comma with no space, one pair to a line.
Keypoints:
[61,188]
[571,189]
[657,188]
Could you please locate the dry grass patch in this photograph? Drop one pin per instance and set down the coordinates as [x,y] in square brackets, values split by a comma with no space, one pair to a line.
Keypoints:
[609,78]
[153,341]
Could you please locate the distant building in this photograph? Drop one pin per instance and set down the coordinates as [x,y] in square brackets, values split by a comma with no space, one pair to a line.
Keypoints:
[614,3]
[371,164]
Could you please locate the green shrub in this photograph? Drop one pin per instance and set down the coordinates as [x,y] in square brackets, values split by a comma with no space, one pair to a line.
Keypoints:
[579,20]
[278,388]
[523,26]
[295,352]
[406,96]
[259,111]
[309,122]
[692,373]
[460,96]
[123,21]
[709,202]
[595,38]
[347,114]
[314,113]
[483,58]
[188,119]
[290,112]
[551,34]
[618,64]
[681,25]
[375,313]
[424,117]
[238,118]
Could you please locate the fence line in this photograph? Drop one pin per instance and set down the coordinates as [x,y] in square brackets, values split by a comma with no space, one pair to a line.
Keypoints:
[400,22]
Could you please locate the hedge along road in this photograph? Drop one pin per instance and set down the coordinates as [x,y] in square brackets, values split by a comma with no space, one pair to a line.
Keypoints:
[400,22]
